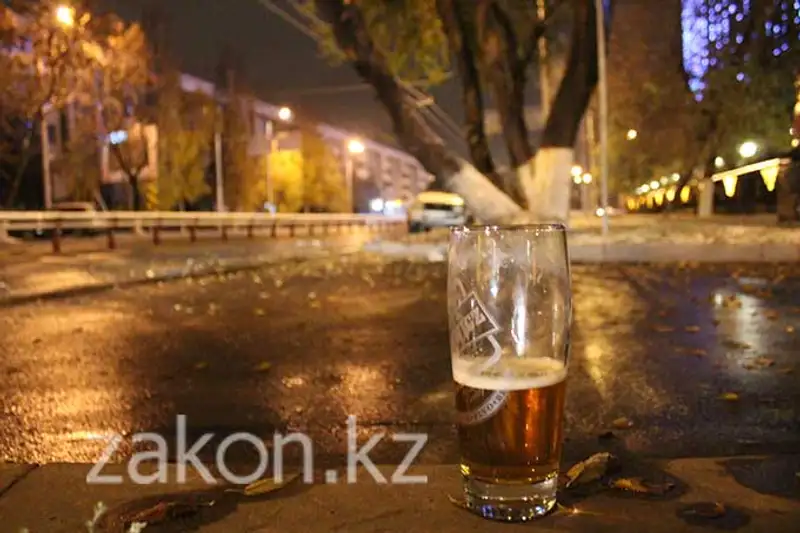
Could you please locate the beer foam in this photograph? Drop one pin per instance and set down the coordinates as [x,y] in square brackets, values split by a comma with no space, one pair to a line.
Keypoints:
[510,373]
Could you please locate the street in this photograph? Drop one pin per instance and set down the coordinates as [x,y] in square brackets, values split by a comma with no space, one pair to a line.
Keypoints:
[700,360]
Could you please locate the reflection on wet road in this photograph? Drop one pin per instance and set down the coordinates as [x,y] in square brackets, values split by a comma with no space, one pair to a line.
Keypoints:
[300,347]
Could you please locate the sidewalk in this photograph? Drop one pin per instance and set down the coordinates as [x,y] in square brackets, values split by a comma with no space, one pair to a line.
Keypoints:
[32,275]
[755,494]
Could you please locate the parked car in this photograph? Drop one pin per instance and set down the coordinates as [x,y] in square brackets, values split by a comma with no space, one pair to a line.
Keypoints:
[437,209]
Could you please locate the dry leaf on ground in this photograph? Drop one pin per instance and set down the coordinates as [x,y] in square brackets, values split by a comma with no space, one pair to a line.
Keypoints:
[201,365]
[622,423]
[729,396]
[263,366]
[589,470]
[663,329]
[165,511]
[638,485]
[258,312]
[691,329]
[709,510]
[265,486]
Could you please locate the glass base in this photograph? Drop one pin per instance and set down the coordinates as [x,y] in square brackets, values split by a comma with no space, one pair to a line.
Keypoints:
[511,503]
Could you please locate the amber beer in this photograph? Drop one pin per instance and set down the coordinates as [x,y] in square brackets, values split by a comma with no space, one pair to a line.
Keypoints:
[509,306]
[513,434]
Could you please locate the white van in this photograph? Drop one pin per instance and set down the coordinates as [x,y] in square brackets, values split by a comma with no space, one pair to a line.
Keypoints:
[436,209]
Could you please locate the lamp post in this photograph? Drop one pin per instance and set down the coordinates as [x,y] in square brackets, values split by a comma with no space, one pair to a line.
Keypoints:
[285,114]
[354,147]
[603,97]
[65,17]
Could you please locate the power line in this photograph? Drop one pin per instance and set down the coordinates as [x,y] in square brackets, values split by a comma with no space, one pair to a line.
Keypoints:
[423,101]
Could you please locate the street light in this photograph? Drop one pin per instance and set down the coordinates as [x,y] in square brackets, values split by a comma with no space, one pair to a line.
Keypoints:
[354,147]
[285,114]
[748,149]
[65,15]
[632,134]
[577,170]
[719,162]
[587,178]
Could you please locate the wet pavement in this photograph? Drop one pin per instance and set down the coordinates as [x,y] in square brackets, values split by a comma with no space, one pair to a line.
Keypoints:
[701,360]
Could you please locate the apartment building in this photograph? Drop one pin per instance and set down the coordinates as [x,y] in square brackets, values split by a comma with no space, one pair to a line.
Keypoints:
[371,169]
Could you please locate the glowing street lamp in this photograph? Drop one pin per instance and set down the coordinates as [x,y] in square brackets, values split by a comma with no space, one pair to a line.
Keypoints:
[355,146]
[577,170]
[65,15]
[719,162]
[632,134]
[285,114]
[587,178]
[748,149]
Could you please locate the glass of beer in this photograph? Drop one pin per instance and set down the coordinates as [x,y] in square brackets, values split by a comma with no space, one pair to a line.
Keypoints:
[510,309]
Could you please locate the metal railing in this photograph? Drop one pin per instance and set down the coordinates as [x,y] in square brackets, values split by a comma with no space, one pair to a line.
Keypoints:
[57,224]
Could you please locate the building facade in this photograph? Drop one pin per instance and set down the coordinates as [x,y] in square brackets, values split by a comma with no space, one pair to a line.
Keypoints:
[370,169]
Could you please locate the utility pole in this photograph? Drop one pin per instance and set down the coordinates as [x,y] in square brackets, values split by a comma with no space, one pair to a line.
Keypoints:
[544,77]
[47,183]
[603,107]
[220,189]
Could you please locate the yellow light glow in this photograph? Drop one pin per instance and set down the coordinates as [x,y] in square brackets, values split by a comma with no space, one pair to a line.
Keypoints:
[770,177]
[65,15]
[285,114]
[671,193]
[577,171]
[748,149]
[650,201]
[631,203]
[729,182]
[632,134]
[576,179]
[660,197]
[795,143]
[587,178]
[686,195]
[355,146]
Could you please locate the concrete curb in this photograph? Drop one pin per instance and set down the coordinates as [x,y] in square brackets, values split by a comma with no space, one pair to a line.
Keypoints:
[56,498]
[672,253]
[102,286]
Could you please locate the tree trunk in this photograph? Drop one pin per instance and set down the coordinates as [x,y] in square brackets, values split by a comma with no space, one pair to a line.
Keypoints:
[462,47]
[136,199]
[19,173]
[548,188]
[486,201]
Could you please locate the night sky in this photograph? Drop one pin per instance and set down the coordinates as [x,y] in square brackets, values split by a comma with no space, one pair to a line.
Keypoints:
[282,65]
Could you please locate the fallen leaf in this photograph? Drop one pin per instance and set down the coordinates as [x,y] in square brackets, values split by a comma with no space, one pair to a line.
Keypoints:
[265,486]
[786,371]
[312,295]
[691,329]
[201,365]
[263,295]
[264,366]
[729,396]
[165,511]
[589,470]
[278,283]
[698,352]
[663,329]
[789,329]
[764,362]
[638,485]
[258,312]
[315,304]
[458,502]
[177,307]
[710,510]
[622,423]
[662,314]
[730,343]
[771,314]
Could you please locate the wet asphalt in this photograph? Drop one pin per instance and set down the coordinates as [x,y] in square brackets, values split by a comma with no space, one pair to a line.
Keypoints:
[699,360]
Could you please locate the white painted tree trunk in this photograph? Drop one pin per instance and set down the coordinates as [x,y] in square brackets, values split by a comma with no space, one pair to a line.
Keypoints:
[489,204]
[547,183]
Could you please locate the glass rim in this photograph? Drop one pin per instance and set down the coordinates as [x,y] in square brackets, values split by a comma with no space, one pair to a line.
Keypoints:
[556,227]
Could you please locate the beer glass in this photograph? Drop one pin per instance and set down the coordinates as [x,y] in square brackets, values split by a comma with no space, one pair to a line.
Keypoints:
[510,308]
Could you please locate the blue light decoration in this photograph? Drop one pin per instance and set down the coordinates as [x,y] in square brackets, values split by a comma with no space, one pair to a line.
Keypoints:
[710,27]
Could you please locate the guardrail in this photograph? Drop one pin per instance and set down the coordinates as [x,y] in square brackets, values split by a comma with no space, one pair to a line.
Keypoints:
[56,224]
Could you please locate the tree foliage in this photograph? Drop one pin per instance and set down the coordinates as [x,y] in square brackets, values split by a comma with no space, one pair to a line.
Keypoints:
[494,44]
[323,180]
[52,55]
[186,124]
[245,174]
